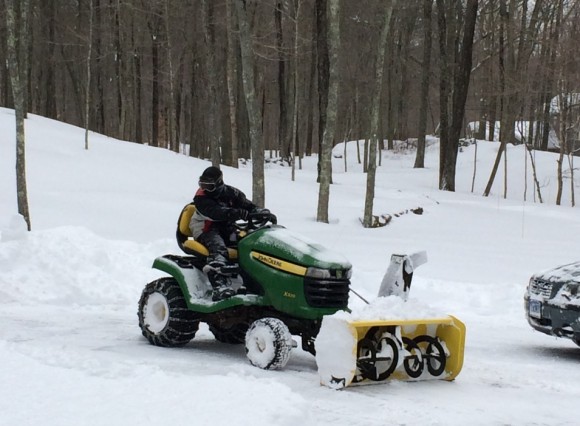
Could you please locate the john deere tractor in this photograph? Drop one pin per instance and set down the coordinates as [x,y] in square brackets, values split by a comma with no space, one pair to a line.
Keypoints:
[286,286]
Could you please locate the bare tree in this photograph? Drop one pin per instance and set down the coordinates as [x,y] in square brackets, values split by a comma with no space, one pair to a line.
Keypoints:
[513,59]
[88,82]
[425,81]
[232,80]
[257,142]
[172,141]
[372,166]
[213,116]
[16,40]
[455,48]
[563,100]
[297,87]
[331,111]
[323,64]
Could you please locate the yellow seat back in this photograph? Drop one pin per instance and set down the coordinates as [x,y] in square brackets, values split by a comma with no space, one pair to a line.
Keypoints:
[185,239]
[185,218]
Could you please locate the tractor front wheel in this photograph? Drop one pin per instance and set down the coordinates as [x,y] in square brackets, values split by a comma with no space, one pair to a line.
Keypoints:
[268,344]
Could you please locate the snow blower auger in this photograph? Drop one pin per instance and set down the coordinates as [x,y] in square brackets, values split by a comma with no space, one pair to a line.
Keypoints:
[374,350]
[287,285]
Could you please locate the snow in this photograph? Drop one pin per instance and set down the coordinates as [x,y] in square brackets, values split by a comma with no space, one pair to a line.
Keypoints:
[561,273]
[394,307]
[71,351]
[296,246]
[335,357]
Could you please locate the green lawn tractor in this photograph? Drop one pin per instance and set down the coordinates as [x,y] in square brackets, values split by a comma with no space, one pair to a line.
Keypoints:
[287,285]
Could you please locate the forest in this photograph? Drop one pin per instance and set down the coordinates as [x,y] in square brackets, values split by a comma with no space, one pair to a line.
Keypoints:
[269,80]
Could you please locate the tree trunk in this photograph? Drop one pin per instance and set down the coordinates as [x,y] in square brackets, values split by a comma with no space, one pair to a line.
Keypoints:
[572,183]
[453,85]
[503,136]
[257,142]
[310,108]
[282,95]
[121,84]
[155,35]
[375,106]
[212,113]
[99,123]
[88,83]
[331,111]
[172,142]
[297,88]
[232,79]
[323,72]
[425,81]
[563,117]
[14,40]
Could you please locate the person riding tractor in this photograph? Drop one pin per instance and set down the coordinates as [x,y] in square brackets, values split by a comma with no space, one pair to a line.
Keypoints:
[218,206]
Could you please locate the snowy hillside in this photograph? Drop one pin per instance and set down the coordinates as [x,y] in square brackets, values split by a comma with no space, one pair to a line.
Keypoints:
[71,352]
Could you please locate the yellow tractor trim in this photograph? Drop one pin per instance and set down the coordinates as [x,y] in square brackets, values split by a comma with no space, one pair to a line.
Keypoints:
[280,264]
[373,351]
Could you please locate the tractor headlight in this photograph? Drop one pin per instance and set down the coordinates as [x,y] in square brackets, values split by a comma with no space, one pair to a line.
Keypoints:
[318,273]
[324,274]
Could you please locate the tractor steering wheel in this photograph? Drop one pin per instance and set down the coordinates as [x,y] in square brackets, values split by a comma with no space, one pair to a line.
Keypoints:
[257,220]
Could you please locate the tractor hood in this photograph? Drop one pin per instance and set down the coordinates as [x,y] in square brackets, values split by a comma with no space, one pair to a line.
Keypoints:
[289,246]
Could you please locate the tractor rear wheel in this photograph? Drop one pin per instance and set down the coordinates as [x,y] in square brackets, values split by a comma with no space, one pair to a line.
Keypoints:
[268,344]
[163,315]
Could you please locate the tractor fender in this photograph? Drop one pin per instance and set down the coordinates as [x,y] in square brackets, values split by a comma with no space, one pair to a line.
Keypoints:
[193,283]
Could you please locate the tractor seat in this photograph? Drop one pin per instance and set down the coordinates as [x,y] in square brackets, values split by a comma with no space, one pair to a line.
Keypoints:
[185,240]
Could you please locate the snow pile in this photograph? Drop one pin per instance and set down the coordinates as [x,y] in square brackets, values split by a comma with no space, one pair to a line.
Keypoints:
[16,229]
[336,355]
[394,307]
[72,265]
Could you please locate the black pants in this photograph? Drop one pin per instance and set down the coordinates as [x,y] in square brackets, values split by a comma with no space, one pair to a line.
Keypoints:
[214,240]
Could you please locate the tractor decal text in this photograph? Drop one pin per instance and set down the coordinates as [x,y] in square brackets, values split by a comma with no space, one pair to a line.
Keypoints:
[280,264]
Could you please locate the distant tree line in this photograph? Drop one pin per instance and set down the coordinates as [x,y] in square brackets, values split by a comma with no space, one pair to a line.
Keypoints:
[230,80]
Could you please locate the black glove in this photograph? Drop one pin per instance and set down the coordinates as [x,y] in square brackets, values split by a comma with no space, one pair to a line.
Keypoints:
[242,214]
[262,211]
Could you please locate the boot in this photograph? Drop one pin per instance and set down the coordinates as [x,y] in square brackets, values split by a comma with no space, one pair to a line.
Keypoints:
[221,293]
[222,268]
[221,286]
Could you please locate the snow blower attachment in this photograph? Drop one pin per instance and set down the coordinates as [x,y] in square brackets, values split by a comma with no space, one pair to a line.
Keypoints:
[355,351]
[372,351]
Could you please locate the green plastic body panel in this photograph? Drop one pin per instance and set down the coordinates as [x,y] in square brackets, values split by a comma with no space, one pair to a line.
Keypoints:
[185,278]
[284,290]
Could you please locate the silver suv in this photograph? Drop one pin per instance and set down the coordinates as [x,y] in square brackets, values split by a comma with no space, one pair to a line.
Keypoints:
[552,301]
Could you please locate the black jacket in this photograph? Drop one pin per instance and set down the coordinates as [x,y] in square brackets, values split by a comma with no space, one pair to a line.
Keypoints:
[218,208]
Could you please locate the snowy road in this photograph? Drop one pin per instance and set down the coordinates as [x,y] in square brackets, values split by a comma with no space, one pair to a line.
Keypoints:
[66,359]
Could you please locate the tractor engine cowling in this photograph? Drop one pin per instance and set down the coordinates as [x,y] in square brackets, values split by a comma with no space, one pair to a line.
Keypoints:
[298,276]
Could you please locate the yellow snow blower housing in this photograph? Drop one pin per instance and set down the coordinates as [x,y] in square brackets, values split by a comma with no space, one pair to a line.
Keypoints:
[356,352]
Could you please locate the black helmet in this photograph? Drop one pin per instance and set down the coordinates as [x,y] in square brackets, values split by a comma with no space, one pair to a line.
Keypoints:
[211,179]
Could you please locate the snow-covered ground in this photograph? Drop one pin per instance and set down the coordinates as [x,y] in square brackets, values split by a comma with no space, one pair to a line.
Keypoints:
[71,352]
